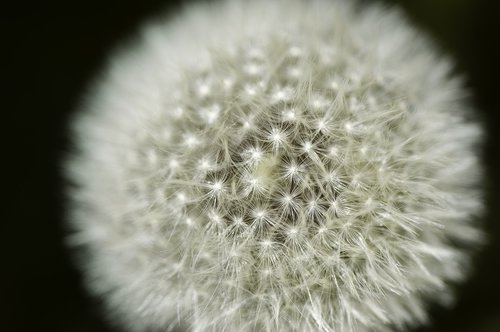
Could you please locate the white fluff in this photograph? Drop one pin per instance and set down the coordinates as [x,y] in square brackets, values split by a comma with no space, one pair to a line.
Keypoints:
[275,166]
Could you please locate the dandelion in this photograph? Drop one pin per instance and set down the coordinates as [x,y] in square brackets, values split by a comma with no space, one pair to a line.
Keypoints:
[276,166]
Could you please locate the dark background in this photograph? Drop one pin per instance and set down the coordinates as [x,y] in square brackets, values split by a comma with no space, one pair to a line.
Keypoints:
[55,48]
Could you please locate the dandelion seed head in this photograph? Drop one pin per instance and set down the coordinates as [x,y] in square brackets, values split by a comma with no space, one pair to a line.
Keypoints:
[276,166]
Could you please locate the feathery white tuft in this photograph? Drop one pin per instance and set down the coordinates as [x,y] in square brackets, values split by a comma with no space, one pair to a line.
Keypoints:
[276,166]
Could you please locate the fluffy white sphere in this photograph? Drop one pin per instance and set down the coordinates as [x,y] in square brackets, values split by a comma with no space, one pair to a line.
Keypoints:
[275,166]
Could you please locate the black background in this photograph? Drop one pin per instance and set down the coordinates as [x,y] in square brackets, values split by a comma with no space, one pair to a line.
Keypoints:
[53,51]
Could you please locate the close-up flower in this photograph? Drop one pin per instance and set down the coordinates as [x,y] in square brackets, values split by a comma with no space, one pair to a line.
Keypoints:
[275,166]
[250,165]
